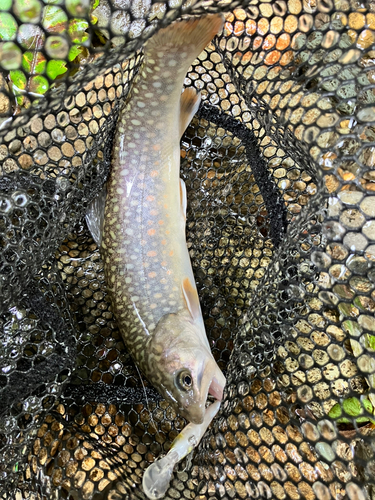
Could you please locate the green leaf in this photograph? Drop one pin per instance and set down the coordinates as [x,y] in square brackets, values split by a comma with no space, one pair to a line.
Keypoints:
[335,411]
[10,56]
[78,8]
[77,31]
[55,20]
[352,328]
[363,420]
[57,47]
[367,405]
[352,407]
[371,341]
[33,62]
[8,27]
[53,2]
[55,68]
[5,4]
[95,3]
[74,51]
[28,10]
[19,79]
[343,421]
[38,84]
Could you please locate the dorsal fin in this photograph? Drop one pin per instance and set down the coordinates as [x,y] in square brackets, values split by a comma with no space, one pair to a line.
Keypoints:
[191,297]
[189,104]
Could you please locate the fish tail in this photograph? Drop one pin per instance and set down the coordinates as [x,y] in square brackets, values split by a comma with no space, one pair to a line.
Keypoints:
[182,41]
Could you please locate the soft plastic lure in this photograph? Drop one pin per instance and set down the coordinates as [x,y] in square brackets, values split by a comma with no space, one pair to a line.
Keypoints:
[158,475]
[146,261]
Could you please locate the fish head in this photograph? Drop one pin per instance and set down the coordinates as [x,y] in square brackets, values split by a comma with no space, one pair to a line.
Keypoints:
[184,370]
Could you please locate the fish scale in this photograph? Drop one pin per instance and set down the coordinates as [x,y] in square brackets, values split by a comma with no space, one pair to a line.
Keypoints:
[146,260]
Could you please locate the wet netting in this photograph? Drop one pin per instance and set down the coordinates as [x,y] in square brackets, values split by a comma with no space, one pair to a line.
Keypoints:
[279,168]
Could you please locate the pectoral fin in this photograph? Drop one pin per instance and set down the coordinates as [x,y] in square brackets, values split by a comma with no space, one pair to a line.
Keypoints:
[189,104]
[183,197]
[95,216]
[192,299]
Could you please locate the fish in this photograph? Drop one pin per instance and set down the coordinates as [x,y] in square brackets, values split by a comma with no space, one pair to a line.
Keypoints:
[143,244]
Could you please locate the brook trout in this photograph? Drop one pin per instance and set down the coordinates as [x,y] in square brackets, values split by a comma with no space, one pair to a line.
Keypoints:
[146,261]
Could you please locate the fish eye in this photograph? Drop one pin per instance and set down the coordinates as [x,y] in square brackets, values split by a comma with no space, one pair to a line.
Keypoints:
[184,380]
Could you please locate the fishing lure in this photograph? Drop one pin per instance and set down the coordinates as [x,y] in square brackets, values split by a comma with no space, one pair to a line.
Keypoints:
[146,261]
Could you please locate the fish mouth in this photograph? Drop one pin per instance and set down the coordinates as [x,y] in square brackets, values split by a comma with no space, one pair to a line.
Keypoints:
[216,389]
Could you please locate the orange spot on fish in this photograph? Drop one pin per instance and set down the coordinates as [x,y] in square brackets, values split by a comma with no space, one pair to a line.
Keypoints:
[163,281]
[167,231]
[163,242]
[156,147]
[150,198]
[154,173]
[143,242]
[153,212]
[161,222]
[151,232]
[171,253]
[152,274]
[169,271]
[165,205]
[163,263]
[146,264]
[151,253]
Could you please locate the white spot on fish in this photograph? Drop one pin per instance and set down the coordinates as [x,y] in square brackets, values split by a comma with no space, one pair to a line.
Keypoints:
[141,104]
[172,62]
[156,84]
[128,280]
[134,298]
[149,95]
[136,122]
[119,191]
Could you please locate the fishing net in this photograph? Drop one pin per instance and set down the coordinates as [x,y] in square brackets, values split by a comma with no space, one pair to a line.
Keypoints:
[279,168]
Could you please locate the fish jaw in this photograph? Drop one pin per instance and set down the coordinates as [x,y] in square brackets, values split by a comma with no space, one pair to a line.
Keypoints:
[217,385]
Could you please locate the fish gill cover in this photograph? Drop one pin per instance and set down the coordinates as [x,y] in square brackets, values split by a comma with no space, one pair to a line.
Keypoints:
[279,169]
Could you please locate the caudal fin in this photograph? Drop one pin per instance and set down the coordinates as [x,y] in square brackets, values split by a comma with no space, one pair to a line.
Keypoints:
[180,43]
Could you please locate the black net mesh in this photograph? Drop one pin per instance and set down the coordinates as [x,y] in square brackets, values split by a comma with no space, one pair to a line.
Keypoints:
[279,169]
